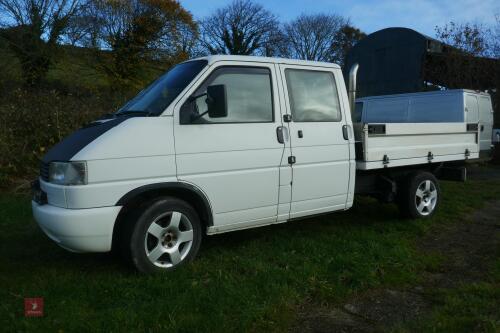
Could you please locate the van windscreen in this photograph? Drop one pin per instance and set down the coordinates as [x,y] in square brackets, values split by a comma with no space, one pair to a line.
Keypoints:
[154,99]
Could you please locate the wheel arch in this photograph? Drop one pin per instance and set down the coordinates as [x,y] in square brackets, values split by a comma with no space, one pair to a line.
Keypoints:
[181,190]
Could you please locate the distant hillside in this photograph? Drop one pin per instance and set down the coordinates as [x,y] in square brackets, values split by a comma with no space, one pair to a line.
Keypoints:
[74,69]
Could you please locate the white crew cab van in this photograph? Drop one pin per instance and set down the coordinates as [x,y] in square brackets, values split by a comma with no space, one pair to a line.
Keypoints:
[225,143]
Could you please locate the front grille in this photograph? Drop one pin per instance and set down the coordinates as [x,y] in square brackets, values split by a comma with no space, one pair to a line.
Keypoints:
[44,171]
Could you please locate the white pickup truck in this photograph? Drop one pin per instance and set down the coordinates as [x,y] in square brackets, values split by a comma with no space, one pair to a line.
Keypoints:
[226,143]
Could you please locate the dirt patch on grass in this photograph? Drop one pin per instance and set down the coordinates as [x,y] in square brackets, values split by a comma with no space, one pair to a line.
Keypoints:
[374,311]
[467,248]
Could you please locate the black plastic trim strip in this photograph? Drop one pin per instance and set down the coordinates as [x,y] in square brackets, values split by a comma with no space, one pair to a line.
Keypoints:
[472,127]
[376,129]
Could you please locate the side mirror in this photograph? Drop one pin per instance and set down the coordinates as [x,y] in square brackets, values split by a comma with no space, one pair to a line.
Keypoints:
[216,101]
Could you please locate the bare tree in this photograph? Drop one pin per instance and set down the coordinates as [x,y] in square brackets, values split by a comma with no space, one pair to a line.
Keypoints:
[137,32]
[314,37]
[469,38]
[495,37]
[346,38]
[243,27]
[186,39]
[82,30]
[34,29]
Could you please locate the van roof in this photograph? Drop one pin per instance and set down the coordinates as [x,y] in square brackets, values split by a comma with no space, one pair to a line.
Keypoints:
[215,58]
[424,93]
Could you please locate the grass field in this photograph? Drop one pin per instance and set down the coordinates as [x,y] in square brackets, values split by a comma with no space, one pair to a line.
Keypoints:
[73,69]
[252,280]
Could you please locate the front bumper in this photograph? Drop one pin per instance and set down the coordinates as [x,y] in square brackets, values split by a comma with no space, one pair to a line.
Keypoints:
[77,230]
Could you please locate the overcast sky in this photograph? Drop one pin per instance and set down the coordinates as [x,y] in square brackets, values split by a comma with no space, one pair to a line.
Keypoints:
[373,15]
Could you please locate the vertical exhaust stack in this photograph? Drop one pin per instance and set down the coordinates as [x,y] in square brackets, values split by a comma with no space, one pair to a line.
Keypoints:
[352,86]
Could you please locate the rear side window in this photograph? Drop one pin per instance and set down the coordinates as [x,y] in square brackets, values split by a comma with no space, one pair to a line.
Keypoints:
[313,96]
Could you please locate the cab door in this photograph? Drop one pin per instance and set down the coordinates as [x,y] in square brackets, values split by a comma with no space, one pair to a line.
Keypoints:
[234,160]
[320,140]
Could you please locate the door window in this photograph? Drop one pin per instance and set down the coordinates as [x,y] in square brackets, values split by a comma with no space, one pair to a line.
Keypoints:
[249,97]
[313,96]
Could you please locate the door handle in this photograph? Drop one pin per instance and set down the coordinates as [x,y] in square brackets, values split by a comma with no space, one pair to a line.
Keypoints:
[345,132]
[280,134]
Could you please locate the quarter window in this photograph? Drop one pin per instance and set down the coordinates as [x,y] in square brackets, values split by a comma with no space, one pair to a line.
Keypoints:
[313,96]
[249,97]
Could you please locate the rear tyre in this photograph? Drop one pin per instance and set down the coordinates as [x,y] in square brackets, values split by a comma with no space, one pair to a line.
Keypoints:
[419,196]
[162,235]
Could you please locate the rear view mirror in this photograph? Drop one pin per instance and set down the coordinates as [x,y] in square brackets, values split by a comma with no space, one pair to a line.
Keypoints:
[216,101]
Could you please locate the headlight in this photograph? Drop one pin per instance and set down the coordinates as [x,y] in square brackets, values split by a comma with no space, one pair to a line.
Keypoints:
[68,173]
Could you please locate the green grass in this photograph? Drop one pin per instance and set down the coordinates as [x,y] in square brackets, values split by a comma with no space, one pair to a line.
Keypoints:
[244,281]
[468,308]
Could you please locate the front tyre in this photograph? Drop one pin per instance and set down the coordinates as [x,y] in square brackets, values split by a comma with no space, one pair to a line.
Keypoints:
[163,235]
[420,196]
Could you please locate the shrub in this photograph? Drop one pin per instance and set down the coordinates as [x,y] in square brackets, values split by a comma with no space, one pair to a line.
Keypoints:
[31,122]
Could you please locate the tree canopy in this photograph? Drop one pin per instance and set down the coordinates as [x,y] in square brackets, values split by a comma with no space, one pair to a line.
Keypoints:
[243,27]
[35,27]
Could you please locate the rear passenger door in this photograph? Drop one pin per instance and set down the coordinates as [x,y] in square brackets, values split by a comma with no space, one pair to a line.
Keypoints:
[321,162]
